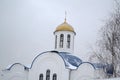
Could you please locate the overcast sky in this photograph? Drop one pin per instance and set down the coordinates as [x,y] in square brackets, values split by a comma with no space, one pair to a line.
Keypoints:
[27,26]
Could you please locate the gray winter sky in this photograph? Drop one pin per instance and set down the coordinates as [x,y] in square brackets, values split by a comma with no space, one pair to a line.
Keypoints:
[27,26]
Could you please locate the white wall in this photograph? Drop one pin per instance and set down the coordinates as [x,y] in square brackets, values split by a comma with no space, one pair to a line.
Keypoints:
[99,74]
[51,61]
[65,49]
[84,72]
[17,72]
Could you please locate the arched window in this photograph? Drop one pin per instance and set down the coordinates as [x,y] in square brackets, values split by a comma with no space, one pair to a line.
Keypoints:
[55,41]
[48,75]
[54,77]
[68,41]
[61,40]
[41,77]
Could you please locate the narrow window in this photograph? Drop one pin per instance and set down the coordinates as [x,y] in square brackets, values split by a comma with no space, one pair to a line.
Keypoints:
[48,75]
[55,41]
[68,41]
[41,77]
[61,40]
[54,77]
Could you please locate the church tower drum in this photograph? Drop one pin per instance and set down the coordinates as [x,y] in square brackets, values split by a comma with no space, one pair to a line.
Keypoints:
[64,38]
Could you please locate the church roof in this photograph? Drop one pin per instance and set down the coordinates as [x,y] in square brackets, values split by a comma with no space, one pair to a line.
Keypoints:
[65,27]
[12,65]
[71,62]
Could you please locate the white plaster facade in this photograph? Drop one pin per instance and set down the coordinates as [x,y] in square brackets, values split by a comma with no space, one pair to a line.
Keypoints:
[17,72]
[49,61]
[65,48]
[84,72]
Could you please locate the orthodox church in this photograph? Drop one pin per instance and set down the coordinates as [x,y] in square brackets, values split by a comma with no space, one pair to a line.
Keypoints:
[58,64]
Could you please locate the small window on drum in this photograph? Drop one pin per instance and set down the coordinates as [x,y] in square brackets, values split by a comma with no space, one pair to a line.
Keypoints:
[61,40]
[68,41]
[55,41]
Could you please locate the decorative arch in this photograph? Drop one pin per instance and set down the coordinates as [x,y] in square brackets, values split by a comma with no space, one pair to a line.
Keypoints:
[9,68]
[89,63]
[62,55]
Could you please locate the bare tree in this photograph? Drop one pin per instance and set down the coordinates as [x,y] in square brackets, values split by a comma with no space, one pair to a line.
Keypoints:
[109,44]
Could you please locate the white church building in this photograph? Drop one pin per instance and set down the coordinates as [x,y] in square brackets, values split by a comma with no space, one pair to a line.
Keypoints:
[59,64]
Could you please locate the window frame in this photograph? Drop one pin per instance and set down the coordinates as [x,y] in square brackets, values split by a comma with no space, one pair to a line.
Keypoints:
[55,41]
[61,40]
[54,76]
[68,40]
[41,77]
[48,74]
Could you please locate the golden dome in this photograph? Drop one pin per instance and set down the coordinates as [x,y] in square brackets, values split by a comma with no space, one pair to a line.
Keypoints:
[64,27]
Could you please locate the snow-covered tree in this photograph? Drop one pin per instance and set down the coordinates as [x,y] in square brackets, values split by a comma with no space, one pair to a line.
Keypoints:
[108,50]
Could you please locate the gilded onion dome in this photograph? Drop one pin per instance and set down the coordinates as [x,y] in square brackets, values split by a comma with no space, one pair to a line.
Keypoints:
[65,27]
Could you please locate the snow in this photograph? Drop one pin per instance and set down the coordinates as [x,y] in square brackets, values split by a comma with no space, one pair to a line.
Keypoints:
[28,66]
[8,67]
[110,79]
[71,62]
